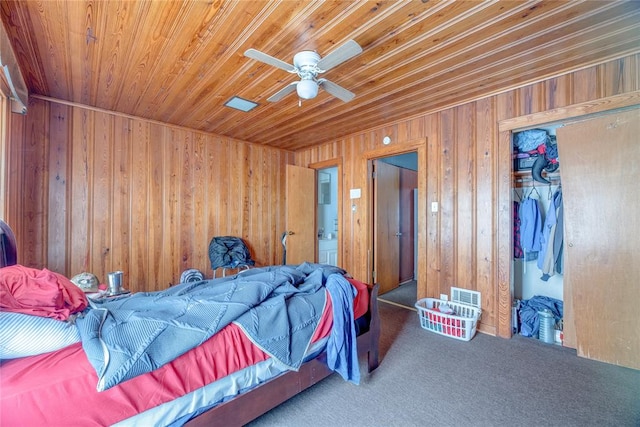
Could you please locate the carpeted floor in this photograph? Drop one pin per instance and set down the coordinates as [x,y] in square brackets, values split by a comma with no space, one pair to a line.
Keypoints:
[404,295]
[425,379]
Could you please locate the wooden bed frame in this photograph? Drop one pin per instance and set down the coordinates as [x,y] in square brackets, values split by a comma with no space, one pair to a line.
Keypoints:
[250,405]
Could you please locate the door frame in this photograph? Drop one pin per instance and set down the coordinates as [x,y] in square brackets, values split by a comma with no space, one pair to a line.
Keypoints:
[331,163]
[418,146]
[504,221]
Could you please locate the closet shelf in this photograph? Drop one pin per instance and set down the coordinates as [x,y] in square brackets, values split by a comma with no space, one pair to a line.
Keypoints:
[525,178]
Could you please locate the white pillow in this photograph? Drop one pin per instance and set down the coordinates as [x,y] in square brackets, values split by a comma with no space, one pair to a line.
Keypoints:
[24,335]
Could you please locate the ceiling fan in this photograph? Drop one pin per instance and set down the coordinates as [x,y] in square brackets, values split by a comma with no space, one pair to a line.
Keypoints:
[307,64]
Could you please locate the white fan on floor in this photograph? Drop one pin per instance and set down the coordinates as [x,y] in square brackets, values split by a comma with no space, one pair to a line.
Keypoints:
[308,65]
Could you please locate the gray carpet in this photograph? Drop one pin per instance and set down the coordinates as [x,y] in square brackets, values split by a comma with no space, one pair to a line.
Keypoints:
[425,379]
[404,295]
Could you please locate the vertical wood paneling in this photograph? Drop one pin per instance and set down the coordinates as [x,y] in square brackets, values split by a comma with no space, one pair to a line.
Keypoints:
[448,202]
[185,202]
[172,188]
[433,176]
[140,230]
[59,164]
[199,239]
[559,91]
[584,85]
[80,235]
[118,193]
[237,188]
[486,159]
[14,173]
[35,184]
[101,193]
[234,189]
[465,194]
[159,143]
[121,210]
[469,173]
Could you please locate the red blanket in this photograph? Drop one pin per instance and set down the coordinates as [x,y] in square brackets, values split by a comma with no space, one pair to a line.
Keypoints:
[50,388]
[39,293]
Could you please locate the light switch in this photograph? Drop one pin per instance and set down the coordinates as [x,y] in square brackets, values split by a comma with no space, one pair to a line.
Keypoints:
[354,193]
[434,206]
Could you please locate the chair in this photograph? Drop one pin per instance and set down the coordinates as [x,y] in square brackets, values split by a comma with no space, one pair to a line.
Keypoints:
[8,249]
[228,252]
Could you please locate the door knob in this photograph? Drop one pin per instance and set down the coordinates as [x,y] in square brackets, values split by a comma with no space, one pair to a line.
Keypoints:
[398,234]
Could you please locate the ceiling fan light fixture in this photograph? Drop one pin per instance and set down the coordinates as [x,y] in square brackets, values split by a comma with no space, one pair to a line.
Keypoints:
[307,64]
[307,89]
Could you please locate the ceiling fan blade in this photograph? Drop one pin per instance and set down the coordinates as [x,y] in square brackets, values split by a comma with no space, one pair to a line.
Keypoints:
[283,92]
[336,90]
[341,54]
[267,59]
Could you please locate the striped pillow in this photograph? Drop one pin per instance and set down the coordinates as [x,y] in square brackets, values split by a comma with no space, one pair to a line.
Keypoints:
[26,335]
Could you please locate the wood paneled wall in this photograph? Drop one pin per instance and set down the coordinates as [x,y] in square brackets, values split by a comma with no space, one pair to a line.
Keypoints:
[91,190]
[468,242]
[95,191]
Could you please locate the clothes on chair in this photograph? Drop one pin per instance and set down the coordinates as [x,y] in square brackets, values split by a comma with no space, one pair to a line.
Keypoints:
[229,252]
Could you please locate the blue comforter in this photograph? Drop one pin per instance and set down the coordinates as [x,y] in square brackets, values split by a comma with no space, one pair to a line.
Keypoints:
[278,307]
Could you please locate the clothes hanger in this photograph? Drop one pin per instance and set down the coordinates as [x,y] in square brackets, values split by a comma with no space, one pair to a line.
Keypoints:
[533,188]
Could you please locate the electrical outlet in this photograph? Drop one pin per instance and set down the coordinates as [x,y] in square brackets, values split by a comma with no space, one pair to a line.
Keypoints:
[444,297]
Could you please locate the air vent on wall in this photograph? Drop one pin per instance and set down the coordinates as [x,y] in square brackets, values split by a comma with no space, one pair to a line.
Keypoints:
[466,296]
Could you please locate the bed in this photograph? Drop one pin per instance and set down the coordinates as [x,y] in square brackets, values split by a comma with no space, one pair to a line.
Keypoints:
[230,378]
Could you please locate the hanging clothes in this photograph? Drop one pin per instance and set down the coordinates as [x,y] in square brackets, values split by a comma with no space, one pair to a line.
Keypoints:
[517,247]
[551,249]
[530,228]
[558,241]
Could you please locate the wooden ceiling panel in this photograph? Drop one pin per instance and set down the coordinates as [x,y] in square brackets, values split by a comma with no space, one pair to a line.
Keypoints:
[178,62]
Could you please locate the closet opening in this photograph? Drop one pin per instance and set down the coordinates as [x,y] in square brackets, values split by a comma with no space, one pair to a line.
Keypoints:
[537,265]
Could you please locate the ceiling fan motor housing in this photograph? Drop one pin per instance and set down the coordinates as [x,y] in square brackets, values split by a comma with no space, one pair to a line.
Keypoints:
[306,63]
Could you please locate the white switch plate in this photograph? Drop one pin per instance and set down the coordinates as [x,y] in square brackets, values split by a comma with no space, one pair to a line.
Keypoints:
[354,193]
[434,206]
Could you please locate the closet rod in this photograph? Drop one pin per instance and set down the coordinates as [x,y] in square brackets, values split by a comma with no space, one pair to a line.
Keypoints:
[524,180]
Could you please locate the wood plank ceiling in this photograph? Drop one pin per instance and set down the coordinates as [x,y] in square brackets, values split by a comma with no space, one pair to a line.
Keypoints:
[178,62]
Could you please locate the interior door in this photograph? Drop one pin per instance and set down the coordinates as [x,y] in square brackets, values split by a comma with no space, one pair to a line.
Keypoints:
[408,186]
[301,215]
[600,169]
[386,219]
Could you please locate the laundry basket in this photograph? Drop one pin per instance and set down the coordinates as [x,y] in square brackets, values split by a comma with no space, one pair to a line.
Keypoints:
[461,324]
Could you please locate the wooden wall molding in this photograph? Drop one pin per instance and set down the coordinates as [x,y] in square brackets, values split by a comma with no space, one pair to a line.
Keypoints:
[581,110]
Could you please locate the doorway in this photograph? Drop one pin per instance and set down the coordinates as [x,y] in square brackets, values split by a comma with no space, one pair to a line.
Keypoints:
[327,215]
[395,188]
